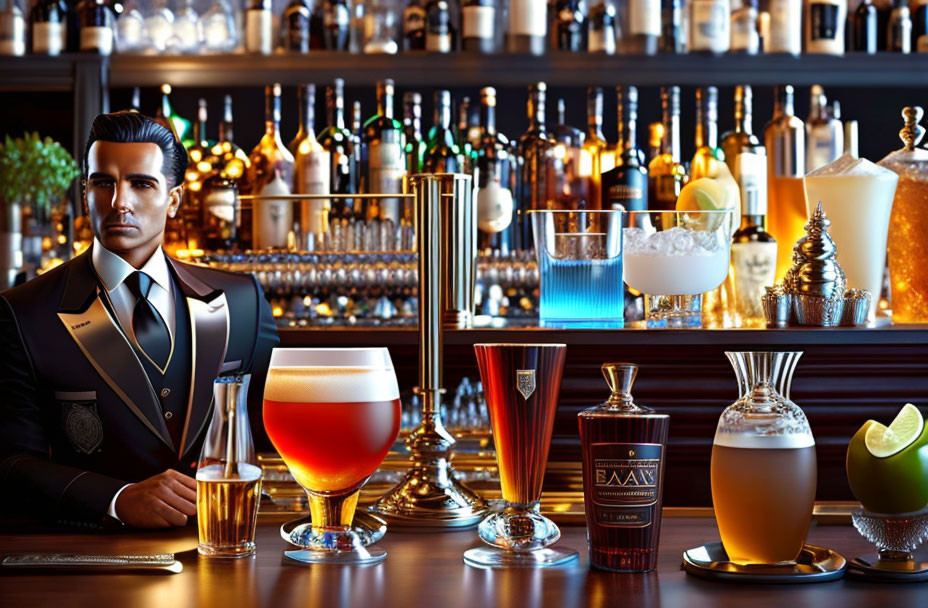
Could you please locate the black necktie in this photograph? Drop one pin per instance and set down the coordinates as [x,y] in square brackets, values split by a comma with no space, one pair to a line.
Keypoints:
[151,332]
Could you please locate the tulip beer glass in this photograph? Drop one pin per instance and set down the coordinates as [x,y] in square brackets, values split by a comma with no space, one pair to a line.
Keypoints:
[333,414]
[521,382]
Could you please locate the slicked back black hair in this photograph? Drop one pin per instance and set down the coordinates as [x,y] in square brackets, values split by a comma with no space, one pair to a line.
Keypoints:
[134,128]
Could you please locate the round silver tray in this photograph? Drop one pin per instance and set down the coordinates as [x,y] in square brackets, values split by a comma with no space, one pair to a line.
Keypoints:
[814,565]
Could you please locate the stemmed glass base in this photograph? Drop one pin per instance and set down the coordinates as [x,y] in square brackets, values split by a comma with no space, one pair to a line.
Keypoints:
[896,538]
[520,537]
[335,546]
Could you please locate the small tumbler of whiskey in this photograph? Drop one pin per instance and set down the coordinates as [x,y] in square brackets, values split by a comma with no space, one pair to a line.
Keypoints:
[623,472]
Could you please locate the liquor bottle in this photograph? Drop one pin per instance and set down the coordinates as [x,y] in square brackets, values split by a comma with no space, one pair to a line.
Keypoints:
[442,154]
[259,21]
[528,27]
[337,140]
[296,27]
[73,25]
[12,29]
[230,159]
[312,174]
[478,26]
[785,141]
[356,26]
[179,124]
[270,173]
[336,20]
[824,26]
[708,28]
[569,27]
[824,133]
[673,36]
[532,151]
[596,151]
[920,27]
[467,137]
[439,35]
[655,139]
[625,186]
[414,26]
[97,22]
[306,99]
[623,449]
[414,146]
[199,168]
[707,133]
[785,35]
[665,172]
[48,28]
[746,156]
[641,31]
[753,259]
[495,170]
[316,25]
[899,30]
[601,37]
[200,149]
[745,38]
[864,35]
[567,180]
[386,164]
[359,148]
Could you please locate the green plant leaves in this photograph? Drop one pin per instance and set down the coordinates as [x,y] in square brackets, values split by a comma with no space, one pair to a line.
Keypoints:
[34,170]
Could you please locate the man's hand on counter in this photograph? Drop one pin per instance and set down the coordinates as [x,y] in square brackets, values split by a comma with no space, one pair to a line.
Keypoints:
[164,500]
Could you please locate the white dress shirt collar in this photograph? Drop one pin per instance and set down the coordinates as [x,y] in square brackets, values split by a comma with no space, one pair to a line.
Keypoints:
[113,270]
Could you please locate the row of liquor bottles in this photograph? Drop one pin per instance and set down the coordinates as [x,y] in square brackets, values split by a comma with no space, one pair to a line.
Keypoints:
[564,167]
[50,27]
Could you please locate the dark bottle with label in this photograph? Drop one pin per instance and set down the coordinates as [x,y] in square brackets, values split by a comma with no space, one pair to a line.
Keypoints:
[672,39]
[478,26]
[335,20]
[439,35]
[533,148]
[625,186]
[414,26]
[48,28]
[359,152]
[864,33]
[899,30]
[385,166]
[495,174]
[442,154]
[569,31]
[296,26]
[414,144]
[97,23]
[666,173]
[316,25]
[623,448]
[338,141]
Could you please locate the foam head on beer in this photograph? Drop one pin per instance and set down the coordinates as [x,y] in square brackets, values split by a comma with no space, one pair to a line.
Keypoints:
[332,414]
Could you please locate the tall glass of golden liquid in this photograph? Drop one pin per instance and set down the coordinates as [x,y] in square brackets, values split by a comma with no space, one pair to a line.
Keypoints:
[228,475]
[763,464]
[522,383]
[332,414]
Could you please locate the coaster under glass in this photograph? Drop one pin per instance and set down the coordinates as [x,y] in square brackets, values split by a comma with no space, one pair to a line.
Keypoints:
[814,565]
[897,537]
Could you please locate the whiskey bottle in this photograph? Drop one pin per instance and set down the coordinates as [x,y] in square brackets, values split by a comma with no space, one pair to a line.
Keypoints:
[784,139]
[97,21]
[442,154]
[528,27]
[642,27]
[623,450]
[311,172]
[899,30]
[337,140]
[824,26]
[532,151]
[753,260]
[199,168]
[259,21]
[478,26]
[666,173]
[439,35]
[316,25]
[864,38]
[48,27]
[597,158]
[229,159]
[12,29]
[296,26]
[744,153]
[270,173]
[708,30]
[414,144]
[625,186]
[745,37]
[707,133]
[414,26]
[336,21]
[785,32]
[569,28]
[601,37]
[495,170]
[673,36]
[304,109]
[386,165]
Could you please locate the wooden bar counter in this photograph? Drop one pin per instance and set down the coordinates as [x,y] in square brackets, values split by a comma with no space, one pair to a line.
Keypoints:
[422,569]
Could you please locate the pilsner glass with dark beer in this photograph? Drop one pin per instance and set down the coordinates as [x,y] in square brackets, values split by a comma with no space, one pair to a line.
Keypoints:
[522,383]
[333,415]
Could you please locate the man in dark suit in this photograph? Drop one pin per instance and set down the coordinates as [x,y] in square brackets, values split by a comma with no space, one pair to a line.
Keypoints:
[107,362]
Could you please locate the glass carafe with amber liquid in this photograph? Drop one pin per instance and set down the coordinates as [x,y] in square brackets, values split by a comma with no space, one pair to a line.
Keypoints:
[908,247]
[623,473]
[763,464]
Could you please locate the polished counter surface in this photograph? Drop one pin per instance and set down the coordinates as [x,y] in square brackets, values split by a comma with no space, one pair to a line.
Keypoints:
[422,569]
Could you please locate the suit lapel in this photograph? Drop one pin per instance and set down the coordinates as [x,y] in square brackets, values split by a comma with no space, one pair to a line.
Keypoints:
[98,336]
[209,331]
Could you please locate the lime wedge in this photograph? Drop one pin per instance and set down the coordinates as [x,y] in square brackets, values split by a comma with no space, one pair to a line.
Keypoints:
[882,441]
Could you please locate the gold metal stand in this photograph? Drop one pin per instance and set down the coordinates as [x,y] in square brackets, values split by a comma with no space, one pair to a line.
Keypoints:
[429,495]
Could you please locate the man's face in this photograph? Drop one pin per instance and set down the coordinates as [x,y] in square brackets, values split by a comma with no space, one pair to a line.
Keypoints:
[127,196]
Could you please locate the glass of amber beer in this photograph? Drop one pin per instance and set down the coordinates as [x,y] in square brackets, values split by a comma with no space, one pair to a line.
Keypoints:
[332,414]
[522,383]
